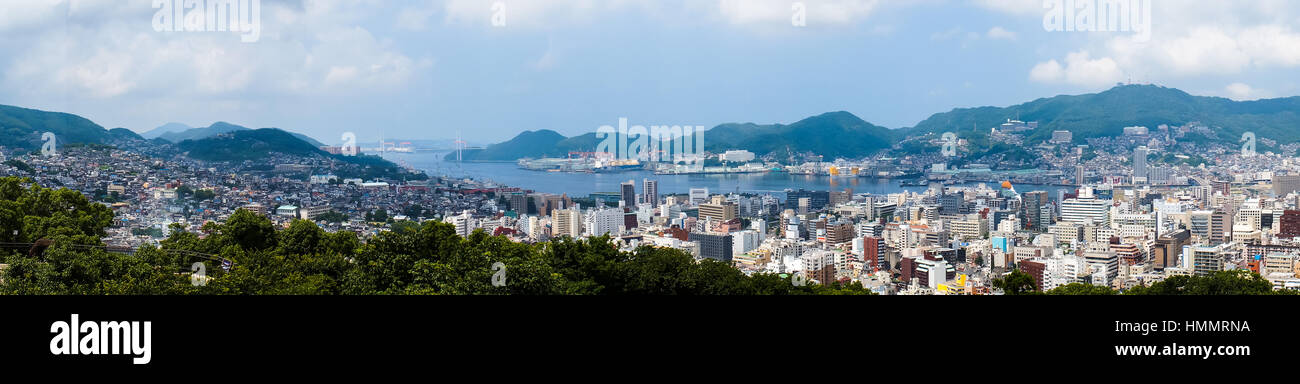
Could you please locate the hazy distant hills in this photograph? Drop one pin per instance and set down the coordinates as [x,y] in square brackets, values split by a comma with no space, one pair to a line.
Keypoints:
[177,132]
[843,135]
[164,129]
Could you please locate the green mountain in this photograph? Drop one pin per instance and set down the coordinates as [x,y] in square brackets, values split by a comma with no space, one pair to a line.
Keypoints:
[123,134]
[1107,113]
[241,145]
[217,128]
[21,128]
[259,144]
[543,143]
[835,134]
[843,135]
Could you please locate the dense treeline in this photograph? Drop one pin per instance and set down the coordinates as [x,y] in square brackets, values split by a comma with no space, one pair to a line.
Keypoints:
[1234,283]
[303,259]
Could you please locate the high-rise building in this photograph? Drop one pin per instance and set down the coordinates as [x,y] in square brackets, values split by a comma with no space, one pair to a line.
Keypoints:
[1221,222]
[699,195]
[1222,187]
[1080,174]
[1104,261]
[841,197]
[1285,184]
[745,241]
[816,199]
[873,253]
[1207,260]
[839,232]
[604,221]
[1169,248]
[1034,268]
[1140,165]
[566,222]
[1085,211]
[1031,213]
[650,192]
[1290,225]
[719,211]
[712,246]
[950,203]
[628,192]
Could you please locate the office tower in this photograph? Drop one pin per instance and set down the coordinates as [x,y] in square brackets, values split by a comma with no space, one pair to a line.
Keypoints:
[518,202]
[816,199]
[566,222]
[1104,261]
[604,221]
[1221,222]
[1034,269]
[650,191]
[1207,260]
[1080,174]
[1290,225]
[1221,187]
[873,253]
[712,246]
[760,226]
[744,241]
[950,203]
[699,195]
[837,198]
[1140,165]
[719,211]
[1169,248]
[1285,184]
[628,193]
[839,232]
[1032,211]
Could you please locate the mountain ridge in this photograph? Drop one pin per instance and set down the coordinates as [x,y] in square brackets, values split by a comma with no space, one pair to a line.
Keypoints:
[842,134]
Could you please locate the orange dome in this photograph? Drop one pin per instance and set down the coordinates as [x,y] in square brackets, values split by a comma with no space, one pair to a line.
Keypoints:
[1006,185]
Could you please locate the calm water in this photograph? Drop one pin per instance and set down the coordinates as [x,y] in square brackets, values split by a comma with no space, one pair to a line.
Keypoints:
[583,184]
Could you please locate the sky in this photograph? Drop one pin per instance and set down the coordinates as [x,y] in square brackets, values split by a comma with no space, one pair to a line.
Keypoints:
[486,70]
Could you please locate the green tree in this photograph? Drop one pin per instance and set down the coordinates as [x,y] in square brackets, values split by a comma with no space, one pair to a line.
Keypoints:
[1016,283]
[1236,282]
[1081,289]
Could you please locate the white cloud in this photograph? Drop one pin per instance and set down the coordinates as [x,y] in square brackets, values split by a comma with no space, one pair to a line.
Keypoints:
[303,52]
[1080,69]
[415,18]
[1047,72]
[1189,39]
[1244,92]
[999,33]
[548,13]
[1020,7]
[780,12]
[537,13]
[19,14]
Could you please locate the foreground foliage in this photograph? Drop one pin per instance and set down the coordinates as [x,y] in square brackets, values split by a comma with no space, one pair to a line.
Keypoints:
[303,259]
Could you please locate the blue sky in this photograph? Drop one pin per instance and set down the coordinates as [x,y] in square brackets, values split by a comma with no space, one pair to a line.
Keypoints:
[436,69]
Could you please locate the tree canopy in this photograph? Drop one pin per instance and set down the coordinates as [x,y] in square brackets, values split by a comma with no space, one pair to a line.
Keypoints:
[303,259]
